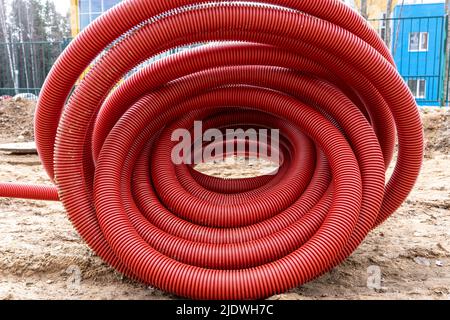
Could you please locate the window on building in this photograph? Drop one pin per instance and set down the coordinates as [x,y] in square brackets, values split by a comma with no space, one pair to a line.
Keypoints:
[108,4]
[89,10]
[417,87]
[84,6]
[418,41]
[96,6]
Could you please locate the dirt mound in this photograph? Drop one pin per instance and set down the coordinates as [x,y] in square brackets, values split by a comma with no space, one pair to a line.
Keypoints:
[437,131]
[16,120]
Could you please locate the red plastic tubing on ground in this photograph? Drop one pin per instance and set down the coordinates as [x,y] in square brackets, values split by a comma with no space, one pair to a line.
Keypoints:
[313,69]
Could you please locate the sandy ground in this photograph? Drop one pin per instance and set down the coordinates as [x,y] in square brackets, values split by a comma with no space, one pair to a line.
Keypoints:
[42,257]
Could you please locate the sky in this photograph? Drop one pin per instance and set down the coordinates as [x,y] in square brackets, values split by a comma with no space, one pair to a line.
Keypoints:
[62,6]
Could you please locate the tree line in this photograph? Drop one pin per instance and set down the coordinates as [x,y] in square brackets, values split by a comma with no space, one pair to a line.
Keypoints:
[31,38]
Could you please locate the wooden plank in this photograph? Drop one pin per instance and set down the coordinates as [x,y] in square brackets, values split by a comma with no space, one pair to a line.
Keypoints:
[21,148]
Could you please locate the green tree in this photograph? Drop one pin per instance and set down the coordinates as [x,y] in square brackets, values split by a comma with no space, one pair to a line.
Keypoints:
[9,79]
[34,31]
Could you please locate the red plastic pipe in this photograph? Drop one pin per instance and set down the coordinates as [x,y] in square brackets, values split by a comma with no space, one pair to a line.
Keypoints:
[317,72]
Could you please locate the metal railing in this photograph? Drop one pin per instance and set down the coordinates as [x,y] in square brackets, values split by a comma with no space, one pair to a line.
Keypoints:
[25,65]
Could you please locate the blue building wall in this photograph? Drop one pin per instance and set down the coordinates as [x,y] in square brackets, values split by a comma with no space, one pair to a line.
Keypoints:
[428,64]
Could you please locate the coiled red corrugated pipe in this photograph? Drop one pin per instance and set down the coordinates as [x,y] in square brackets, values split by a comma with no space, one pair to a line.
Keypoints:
[313,69]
